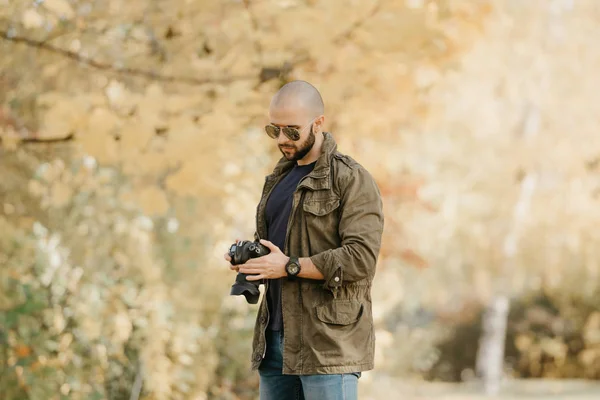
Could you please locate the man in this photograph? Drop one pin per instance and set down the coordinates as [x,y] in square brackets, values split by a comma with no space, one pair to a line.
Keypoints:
[321,212]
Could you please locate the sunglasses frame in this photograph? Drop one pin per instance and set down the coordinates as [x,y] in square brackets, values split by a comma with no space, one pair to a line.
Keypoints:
[290,132]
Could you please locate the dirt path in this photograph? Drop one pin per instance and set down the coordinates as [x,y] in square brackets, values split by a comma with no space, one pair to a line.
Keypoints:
[383,387]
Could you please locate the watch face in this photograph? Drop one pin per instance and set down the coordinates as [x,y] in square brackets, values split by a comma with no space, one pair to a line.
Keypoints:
[293,269]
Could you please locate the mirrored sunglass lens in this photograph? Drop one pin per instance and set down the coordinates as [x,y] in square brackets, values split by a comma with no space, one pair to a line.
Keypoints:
[272,131]
[292,133]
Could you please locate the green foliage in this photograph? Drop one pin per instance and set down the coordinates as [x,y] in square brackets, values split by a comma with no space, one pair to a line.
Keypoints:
[88,302]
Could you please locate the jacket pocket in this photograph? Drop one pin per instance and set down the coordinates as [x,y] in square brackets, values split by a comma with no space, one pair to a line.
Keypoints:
[340,312]
[321,207]
[340,334]
[321,219]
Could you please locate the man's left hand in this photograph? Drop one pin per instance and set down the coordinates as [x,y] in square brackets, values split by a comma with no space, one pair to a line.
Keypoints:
[271,266]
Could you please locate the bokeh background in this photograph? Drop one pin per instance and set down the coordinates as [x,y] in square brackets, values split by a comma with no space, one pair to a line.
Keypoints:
[132,154]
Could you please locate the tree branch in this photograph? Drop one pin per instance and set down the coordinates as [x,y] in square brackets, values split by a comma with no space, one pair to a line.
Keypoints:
[255,28]
[126,71]
[137,384]
[4,365]
[347,34]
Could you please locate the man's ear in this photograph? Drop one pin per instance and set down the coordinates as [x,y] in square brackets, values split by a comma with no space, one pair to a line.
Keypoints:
[319,123]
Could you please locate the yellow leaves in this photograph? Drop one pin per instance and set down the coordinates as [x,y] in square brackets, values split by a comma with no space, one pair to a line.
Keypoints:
[523,342]
[413,259]
[153,200]
[52,171]
[122,327]
[60,194]
[22,351]
[426,76]
[241,92]
[119,98]
[589,357]
[151,133]
[182,103]
[128,199]
[388,292]
[410,30]
[8,208]
[383,345]
[290,29]
[122,259]
[221,122]
[483,284]
[147,164]
[62,120]
[9,139]
[191,143]
[150,109]
[591,330]
[98,139]
[134,137]
[188,146]
[188,181]
[184,128]
[65,341]
[60,8]
[238,60]
[91,326]
[555,348]
[32,19]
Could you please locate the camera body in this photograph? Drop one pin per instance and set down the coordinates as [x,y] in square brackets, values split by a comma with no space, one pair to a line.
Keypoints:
[244,250]
[241,252]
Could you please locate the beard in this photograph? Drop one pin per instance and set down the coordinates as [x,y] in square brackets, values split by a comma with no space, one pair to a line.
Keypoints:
[299,152]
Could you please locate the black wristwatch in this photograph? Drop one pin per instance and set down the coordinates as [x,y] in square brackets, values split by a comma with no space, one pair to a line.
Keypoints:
[292,268]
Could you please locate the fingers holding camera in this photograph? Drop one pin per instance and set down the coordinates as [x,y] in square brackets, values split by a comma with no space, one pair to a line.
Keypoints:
[231,266]
[270,246]
[227,258]
[271,266]
[254,277]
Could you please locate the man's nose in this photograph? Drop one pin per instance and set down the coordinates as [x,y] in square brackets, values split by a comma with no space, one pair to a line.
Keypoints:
[281,139]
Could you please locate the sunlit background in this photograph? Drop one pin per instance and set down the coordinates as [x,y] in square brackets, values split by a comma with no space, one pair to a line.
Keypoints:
[132,154]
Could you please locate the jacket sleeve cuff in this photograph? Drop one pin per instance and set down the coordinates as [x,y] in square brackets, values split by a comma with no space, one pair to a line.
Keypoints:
[329,267]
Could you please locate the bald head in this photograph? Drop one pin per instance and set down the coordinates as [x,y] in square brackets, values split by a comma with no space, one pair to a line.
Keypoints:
[300,96]
[298,105]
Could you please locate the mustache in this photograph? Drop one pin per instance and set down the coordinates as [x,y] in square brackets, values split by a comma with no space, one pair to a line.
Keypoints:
[286,147]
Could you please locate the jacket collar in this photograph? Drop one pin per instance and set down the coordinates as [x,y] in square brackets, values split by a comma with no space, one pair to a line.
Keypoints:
[319,178]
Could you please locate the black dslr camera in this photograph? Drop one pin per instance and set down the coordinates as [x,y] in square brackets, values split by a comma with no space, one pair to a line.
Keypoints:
[241,252]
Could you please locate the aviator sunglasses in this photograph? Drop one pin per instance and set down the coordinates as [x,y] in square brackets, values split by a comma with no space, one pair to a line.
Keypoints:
[290,132]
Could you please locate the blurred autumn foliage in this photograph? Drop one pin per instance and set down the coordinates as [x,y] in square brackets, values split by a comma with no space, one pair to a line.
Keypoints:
[132,154]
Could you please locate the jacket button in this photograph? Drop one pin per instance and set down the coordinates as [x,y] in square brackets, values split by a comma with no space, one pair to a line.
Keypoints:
[263,320]
[337,279]
[257,357]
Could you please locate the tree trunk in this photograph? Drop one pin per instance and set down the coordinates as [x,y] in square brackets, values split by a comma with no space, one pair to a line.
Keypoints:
[490,357]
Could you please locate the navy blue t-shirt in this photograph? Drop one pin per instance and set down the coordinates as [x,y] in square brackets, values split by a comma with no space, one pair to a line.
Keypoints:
[277,214]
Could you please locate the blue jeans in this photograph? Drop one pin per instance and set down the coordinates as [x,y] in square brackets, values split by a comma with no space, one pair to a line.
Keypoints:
[276,386]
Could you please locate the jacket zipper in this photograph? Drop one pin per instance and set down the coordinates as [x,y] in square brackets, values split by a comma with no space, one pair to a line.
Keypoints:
[285,248]
[294,207]
[264,331]
[266,283]
[287,234]
[259,211]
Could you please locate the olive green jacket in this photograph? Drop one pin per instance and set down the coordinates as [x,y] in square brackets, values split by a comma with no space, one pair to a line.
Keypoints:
[337,221]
